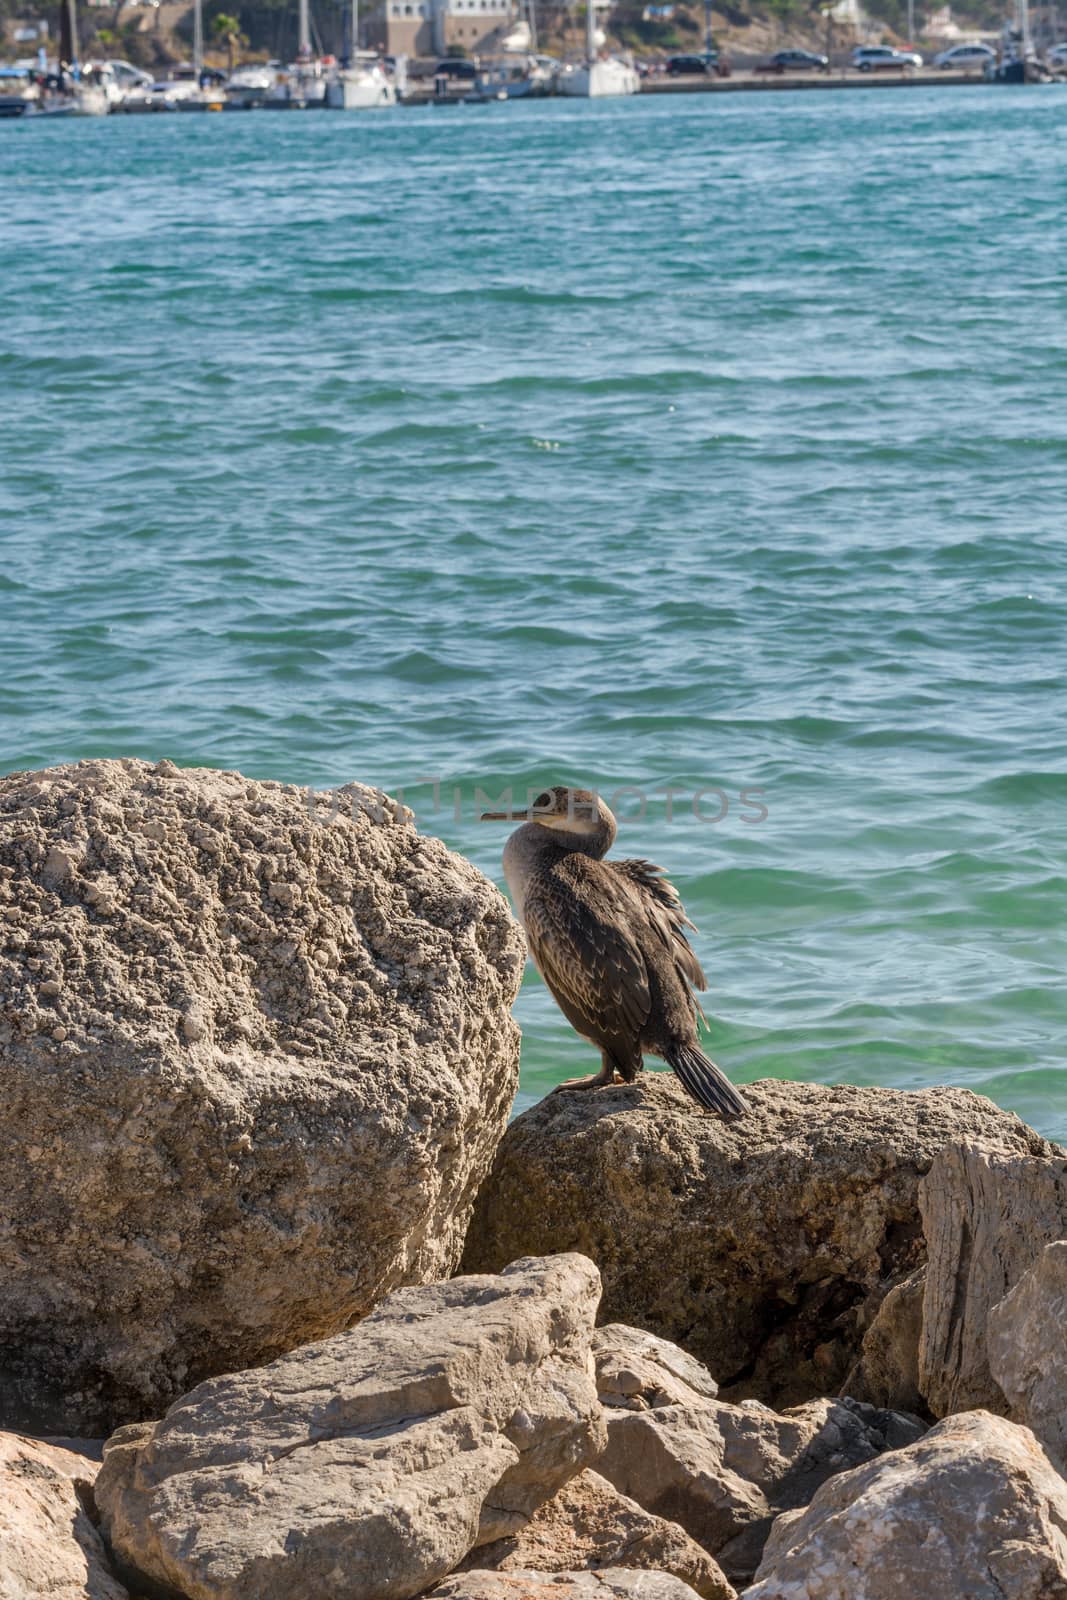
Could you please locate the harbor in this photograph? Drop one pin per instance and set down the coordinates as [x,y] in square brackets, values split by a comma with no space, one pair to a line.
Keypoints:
[407,55]
[368,84]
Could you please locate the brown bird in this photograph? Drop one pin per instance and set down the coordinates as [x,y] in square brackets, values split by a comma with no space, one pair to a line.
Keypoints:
[608,937]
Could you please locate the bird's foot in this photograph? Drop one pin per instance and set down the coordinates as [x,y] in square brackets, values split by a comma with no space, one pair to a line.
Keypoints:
[599,1080]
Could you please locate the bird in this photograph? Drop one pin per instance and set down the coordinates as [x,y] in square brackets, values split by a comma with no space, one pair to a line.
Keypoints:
[609,939]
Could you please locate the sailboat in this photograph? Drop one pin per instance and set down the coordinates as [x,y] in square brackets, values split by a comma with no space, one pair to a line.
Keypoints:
[362,84]
[189,93]
[607,75]
[307,76]
[1016,58]
[78,95]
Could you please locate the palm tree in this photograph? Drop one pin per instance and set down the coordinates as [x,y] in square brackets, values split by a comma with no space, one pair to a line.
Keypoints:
[227,30]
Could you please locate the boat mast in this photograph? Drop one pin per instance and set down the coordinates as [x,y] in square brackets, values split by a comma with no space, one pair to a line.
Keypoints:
[198,37]
[68,33]
[355,30]
[303,43]
[531,15]
[590,31]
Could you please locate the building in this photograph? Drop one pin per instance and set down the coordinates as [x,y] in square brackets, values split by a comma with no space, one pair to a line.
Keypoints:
[437,27]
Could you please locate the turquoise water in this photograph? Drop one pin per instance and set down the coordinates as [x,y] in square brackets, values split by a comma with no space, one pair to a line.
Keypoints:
[699,443]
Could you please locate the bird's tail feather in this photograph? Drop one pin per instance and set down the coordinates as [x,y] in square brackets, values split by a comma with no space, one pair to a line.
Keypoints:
[706,1082]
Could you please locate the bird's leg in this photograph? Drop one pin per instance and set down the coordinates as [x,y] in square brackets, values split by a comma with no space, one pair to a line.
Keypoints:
[609,1073]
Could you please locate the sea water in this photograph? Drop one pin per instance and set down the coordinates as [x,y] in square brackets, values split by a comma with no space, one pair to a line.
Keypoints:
[712,445]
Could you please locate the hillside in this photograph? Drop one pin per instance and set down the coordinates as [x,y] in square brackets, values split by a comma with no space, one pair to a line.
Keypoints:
[153,36]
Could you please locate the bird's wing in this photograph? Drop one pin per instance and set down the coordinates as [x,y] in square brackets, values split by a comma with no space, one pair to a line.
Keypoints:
[576,921]
[666,914]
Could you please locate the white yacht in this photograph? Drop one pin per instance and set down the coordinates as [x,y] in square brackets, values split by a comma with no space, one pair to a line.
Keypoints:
[360,86]
[363,83]
[599,75]
[248,87]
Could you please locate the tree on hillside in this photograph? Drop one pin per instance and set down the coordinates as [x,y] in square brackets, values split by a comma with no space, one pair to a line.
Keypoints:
[227,30]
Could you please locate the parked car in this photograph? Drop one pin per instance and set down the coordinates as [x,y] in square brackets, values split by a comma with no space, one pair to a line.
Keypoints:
[964,55]
[883,58]
[128,77]
[1057,56]
[456,67]
[704,66]
[798,61]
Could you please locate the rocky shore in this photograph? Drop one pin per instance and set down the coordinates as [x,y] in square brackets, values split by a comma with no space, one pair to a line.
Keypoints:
[256,1063]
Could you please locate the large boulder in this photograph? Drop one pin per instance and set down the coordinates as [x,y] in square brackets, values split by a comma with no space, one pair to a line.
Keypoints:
[724,1472]
[589,1524]
[762,1245]
[973,1509]
[48,1543]
[1025,1343]
[365,1467]
[987,1216]
[255,1057]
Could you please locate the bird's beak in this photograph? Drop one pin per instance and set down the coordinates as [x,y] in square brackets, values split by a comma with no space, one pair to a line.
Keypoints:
[505,816]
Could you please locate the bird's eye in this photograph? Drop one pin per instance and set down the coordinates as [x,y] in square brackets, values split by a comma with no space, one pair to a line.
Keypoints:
[543,801]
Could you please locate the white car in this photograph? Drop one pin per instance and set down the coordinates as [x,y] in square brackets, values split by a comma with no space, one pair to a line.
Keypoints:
[1057,56]
[128,77]
[882,57]
[965,55]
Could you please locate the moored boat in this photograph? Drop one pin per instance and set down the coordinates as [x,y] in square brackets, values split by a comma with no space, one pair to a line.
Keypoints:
[19,91]
[608,75]
[361,86]
[362,83]
[599,75]
[248,87]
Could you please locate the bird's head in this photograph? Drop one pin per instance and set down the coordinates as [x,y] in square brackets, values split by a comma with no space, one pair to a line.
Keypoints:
[580,813]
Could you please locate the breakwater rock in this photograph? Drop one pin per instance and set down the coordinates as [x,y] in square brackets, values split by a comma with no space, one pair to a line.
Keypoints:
[255,1058]
[365,1467]
[49,1544]
[588,1526]
[764,1246]
[972,1510]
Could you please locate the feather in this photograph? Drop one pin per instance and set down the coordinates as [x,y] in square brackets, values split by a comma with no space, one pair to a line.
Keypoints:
[706,1082]
[576,920]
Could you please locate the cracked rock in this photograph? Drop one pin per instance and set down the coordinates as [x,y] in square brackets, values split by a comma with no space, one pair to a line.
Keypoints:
[365,1467]
[1024,1341]
[724,1472]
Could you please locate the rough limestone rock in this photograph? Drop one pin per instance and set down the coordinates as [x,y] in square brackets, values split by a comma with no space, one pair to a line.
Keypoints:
[974,1511]
[609,1583]
[589,1524]
[255,1057]
[887,1372]
[724,1472]
[365,1467]
[48,1544]
[636,1370]
[756,1244]
[987,1216]
[1025,1340]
